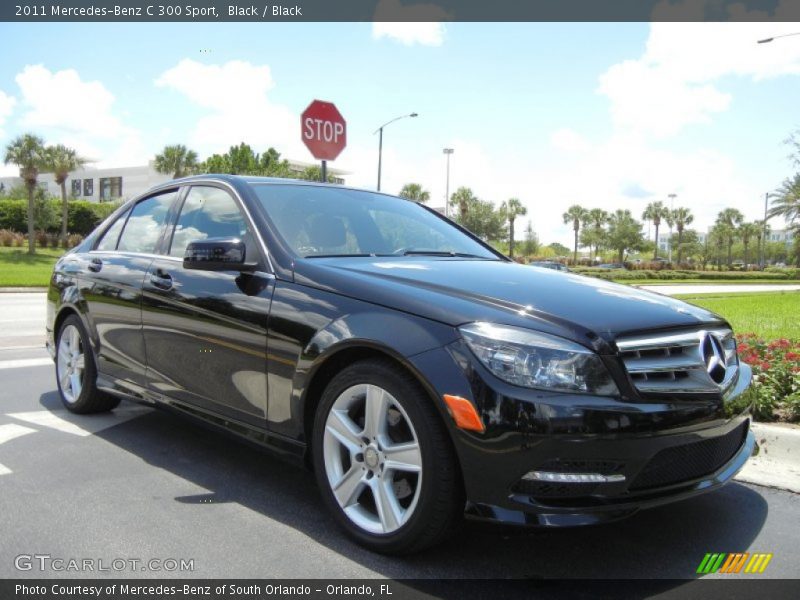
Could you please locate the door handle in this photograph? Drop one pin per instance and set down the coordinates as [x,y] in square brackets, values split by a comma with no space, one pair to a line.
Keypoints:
[95,265]
[161,279]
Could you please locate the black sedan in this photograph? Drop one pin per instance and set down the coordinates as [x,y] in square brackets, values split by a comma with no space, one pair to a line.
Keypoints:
[420,373]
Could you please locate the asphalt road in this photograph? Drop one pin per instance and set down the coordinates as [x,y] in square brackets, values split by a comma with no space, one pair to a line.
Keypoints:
[143,484]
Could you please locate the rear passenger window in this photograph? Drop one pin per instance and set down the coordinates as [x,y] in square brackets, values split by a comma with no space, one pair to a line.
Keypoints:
[110,237]
[208,212]
[143,228]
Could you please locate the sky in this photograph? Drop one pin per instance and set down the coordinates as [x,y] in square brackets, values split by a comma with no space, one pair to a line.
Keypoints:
[597,114]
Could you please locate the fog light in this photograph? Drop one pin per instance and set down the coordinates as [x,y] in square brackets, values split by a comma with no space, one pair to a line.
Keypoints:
[573,477]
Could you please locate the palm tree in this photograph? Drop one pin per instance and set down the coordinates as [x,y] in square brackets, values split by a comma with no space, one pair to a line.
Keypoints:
[748,231]
[786,200]
[593,223]
[462,198]
[60,161]
[28,153]
[177,161]
[654,212]
[763,230]
[730,218]
[681,217]
[575,214]
[512,209]
[415,193]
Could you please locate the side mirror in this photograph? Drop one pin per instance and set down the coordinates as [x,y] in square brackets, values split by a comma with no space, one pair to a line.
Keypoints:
[217,254]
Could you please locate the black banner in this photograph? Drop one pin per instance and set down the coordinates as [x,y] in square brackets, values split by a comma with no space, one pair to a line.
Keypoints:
[398,10]
[387,589]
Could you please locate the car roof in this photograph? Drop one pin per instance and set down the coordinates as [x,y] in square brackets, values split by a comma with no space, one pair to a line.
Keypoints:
[256,179]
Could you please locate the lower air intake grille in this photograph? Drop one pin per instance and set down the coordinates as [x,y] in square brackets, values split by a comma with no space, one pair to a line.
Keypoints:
[690,461]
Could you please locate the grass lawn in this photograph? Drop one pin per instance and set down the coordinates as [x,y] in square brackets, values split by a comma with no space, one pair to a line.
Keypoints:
[18,268]
[704,281]
[770,315]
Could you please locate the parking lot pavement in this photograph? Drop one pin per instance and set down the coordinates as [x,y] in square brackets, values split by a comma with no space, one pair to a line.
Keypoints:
[143,484]
[22,320]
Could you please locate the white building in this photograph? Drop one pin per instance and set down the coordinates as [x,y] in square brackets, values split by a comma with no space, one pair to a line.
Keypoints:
[115,183]
[776,235]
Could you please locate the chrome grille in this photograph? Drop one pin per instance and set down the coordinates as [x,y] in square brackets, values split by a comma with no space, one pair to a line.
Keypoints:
[674,362]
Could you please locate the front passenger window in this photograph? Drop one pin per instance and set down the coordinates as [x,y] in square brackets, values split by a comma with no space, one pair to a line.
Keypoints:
[143,228]
[208,212]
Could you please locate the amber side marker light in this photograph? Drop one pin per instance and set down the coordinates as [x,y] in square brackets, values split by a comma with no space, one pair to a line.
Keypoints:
[463,413]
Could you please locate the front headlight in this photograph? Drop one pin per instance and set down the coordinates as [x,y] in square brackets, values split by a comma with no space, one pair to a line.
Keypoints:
[536,360]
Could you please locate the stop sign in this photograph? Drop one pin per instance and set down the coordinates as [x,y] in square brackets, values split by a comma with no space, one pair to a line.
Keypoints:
[323,130]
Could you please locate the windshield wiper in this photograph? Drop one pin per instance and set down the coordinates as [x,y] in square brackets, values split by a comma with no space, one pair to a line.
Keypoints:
[445,253]
[338,255]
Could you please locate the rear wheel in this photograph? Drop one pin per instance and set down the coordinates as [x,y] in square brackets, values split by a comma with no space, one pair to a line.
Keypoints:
[383,460]
[76,373]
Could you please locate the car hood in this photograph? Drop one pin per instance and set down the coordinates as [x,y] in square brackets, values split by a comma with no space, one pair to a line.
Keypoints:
[456,291]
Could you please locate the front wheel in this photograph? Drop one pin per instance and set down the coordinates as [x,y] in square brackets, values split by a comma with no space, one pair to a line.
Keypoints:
[383,460]
[76,373]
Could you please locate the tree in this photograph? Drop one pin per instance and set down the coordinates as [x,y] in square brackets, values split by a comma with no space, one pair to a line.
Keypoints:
[531,244]
[594,232]
[61,161]
[687,243]
[575,214]
[314,173]
[655,211]
[624,233]
[786,200]
[512,209]
[462,198]
[730,219]
[177,161]
[270,164]
[680,217]
[415,193]
[558,249]
[748,231]
[479,216]
[28,153]
[717,238]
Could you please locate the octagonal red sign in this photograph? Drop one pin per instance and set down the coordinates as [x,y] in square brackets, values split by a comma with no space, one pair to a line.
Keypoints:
[323,130]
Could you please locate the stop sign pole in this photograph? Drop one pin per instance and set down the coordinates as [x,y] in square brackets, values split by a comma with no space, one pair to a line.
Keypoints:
[324,132]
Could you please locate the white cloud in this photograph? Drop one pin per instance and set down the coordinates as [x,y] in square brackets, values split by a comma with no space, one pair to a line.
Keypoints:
[62,100]
[409,24]
[675,82]
[569,140]
[6,106]
[80,114]
[425,34]
[236,95]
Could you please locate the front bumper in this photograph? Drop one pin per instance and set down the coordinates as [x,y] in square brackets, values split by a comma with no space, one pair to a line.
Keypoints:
[666,450]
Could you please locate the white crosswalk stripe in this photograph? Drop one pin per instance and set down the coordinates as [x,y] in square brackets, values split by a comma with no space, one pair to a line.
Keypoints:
[9,432]
[25,362]
[78,424]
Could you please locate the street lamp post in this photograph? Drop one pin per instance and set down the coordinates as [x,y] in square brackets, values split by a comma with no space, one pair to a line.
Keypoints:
[379,131]
[448,152]
[775,37]
[763,259]
[671,208]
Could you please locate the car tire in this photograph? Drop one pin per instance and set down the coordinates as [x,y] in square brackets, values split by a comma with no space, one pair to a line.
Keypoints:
[380,501]
[76,373]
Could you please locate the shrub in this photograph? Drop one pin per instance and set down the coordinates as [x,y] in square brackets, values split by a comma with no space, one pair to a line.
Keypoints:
[73,239]
[54,240]
[42,239]
[776,376]
[672,274]
[6,237]
[14,215]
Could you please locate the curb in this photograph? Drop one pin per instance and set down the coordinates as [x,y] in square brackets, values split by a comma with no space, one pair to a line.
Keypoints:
[777,465]
[22,290]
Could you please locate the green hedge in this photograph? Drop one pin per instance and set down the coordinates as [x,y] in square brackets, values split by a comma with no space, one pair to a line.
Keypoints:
[623,275]
[82,217]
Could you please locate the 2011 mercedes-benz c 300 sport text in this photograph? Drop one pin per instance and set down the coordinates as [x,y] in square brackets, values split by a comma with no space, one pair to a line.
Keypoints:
[420,373]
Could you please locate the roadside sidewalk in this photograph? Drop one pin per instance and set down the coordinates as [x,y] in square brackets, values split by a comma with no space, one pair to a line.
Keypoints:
[777,464]
[22,290]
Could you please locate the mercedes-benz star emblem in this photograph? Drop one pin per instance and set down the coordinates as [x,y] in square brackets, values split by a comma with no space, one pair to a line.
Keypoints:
[713,355]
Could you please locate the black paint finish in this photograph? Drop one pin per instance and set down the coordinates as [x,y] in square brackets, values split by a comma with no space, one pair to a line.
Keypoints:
[251,352]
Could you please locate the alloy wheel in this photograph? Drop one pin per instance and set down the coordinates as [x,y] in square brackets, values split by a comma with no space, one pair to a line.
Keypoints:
[70,363]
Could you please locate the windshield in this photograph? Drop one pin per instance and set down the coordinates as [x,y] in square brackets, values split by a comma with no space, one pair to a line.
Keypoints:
[324,221]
